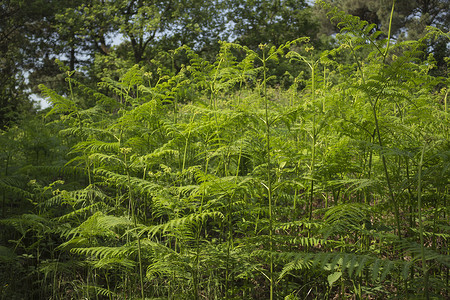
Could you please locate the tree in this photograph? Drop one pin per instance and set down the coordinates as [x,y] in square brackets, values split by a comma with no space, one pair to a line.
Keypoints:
[272,22]
[28,44]
[18,22]
[143,25]
[409,22]
[410,17]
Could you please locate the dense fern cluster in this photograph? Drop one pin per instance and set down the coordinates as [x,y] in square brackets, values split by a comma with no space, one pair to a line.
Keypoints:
[209,183]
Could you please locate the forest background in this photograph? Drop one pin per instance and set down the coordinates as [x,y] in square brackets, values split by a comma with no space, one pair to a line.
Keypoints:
[224,149]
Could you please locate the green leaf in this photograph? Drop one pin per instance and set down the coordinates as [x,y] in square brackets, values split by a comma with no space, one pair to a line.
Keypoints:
[333,277]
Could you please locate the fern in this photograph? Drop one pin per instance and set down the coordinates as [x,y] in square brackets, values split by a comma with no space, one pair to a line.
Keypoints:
[178,223]
[353,264]
[207,181]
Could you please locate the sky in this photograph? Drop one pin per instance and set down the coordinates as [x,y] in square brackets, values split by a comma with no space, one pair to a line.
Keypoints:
[39,100]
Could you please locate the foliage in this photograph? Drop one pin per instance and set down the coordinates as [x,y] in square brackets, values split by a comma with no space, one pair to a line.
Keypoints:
[205,182]
[410,21]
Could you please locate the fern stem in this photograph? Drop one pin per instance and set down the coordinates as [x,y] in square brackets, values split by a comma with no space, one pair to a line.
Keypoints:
[446,102]
[269,184]
[313,145]
[386,173]
[196,270]
[313,157]
[107,285]
[389,32]
[134,218]
[419,211]
[373,103]
[230,229]
[4,190]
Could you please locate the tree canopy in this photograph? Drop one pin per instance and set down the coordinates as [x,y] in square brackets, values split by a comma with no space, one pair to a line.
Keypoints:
[81,34]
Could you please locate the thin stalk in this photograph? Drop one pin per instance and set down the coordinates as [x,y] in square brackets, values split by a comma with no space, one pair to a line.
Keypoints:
[377,127]
[386,173]
[134,218]
[4,190]
[312,66]
[230,230]
[419,210]
[197,241]
[185,151]
[313,158]
[369,172]
[212,99]
[107,285]
[373,104]
[445,102]
[186,145]
[389,32]
[269,184]
[313,146]
[410,194]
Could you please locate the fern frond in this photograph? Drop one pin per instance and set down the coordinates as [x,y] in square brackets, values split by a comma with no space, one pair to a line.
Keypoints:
[346,217]
[414,249]
[26,222]
[78,212]
[61,105]
[104,252]
[139,185]
[12,184]
[297,224]
[93,146]
[75,197]
[354,264]
[179,223]
[100,291]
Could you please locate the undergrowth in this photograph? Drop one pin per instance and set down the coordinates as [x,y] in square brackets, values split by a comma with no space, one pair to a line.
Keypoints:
[208,182]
